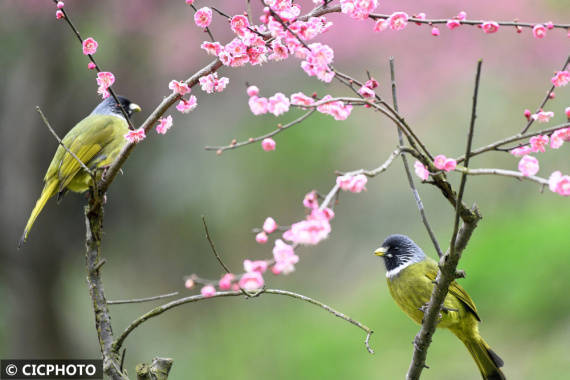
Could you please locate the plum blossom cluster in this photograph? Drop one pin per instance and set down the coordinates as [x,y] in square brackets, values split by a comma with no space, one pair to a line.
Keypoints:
[278,104]
[105,80]
[211,83]
[397,21]
[367,89]
[269,226]
[358,9]
[249,45]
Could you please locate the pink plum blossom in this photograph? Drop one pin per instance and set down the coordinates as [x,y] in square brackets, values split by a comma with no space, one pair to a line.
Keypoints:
[270,225]
[261,238]
[539,31]
[358,9]
[558,137]
[490,27]
[89,46]
[164,124]
[398,20]
[179,88]
[252,91]
[251,281]
[421,170]
[310,200]
[212,48]
[59,14]
[257,105]
[278,104]
[435,31]
[310,231]
[443,163]
[268,144]
[567,112]
[105,80]
[186,106]
[280,51]
[354,184]
[549,25]
[372,83]
[135,136]
[538,143]
[239,25]
[461,16]
[366,92]
[285,258]
[210,83]
[527,114]
[542,116]
[208,291]
[528,165]
[521,151]
[203,17]
[381,25]
[336,109]
[559,183]
[255,266]
[189,2]
[60,5]
[300,99]
[452,24]
[561,78]
[189,283]
[91,66]
[225,282]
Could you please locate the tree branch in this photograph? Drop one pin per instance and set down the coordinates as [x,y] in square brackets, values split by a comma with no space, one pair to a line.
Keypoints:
[161,309]
[448,263]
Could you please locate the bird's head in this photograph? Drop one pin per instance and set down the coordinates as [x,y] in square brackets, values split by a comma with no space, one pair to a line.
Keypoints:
[110,107]
[398,252]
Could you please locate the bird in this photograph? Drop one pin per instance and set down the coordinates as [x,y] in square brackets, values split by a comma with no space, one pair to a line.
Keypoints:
[410,275]
[96,141]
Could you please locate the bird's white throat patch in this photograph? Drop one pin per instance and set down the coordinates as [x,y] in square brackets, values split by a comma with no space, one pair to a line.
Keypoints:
[393,272]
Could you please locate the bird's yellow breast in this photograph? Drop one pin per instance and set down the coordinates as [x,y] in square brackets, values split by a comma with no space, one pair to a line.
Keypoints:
[411,288]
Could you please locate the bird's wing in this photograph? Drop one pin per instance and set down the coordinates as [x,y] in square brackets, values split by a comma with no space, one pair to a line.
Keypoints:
[456,290]
[92,134]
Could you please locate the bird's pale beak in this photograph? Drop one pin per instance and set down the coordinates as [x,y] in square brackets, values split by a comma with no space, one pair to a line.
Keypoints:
[135,107]
[380,251]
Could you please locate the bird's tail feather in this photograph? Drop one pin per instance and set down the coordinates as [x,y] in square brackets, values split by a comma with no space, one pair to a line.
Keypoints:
[485,358]
[48,191]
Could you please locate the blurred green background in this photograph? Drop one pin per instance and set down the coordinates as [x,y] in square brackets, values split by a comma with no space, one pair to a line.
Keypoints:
[517,262]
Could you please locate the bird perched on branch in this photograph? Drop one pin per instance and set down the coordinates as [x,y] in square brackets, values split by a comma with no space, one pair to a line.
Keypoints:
[96,141]
[411,275]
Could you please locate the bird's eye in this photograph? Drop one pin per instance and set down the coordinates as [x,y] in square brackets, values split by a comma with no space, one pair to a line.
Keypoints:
[389,255]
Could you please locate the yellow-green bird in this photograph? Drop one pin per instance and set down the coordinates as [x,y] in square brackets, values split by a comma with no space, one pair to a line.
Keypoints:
[96,141]
[410,275]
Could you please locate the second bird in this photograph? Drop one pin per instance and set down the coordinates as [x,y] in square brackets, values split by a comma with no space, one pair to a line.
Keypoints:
[96,141]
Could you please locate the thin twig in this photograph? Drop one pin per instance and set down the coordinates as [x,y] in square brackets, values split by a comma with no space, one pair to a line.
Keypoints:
[502,172]
[207,29]
[251,140]
[415,192]
[517,137]
[214,247]
[546,98]
[46,122]
[140,300]
[369,173]
[161,309]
